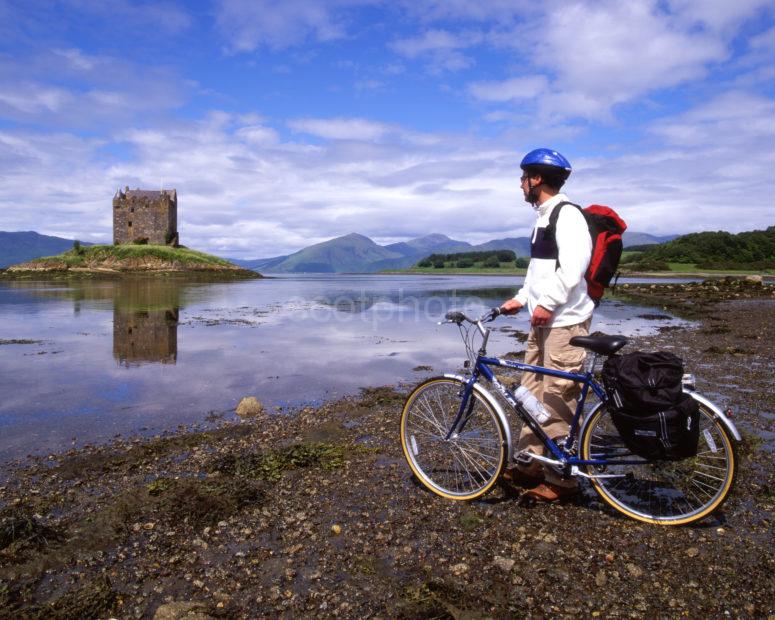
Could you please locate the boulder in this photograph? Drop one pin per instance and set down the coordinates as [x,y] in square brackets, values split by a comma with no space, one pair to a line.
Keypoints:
[182,610]
[249,407]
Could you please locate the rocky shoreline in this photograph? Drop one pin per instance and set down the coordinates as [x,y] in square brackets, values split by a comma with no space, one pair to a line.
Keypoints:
[316,514]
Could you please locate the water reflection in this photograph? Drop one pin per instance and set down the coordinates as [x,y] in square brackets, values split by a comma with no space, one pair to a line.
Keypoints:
[145,322]
[147,353]
[144,336]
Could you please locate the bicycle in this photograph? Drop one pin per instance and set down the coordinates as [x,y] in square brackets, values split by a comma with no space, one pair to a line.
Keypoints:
[457,440]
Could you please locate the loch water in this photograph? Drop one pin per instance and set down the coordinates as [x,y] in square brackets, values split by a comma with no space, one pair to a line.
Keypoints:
[84,362]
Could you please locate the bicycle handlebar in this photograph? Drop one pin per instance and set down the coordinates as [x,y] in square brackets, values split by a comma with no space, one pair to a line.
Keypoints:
[457,317]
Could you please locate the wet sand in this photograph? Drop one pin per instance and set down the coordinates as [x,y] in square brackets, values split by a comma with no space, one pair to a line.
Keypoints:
[316,514]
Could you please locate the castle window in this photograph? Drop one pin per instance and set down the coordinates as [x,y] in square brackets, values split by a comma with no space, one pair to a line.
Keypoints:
[130,224]
[131,209]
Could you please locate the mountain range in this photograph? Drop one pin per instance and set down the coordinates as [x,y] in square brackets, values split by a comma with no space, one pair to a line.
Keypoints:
[355,253]
[19,247]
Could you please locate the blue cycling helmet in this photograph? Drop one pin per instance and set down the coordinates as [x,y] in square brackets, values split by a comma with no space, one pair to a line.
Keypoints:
[546,157]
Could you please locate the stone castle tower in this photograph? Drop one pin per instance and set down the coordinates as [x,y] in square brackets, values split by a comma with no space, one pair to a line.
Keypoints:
[145,216]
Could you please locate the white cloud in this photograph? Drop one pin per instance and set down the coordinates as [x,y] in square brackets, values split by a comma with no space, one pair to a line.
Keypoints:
[31,98]
[79,60]
[713,172]
[248,25]
[65,88]
[764,41]
[593,54]
[738,123]
[257,134]
[432,41]
[369,85]
[718,14]
[526,87]
[340,128]
[498,11]
[441,48]
[605,53]
[59,171]
[136,17]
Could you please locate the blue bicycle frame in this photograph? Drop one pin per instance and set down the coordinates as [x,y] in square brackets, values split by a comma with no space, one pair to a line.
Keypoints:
[560,453]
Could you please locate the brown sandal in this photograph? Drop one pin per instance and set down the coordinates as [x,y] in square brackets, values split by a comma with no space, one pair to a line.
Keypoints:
[548,492]
[516,477]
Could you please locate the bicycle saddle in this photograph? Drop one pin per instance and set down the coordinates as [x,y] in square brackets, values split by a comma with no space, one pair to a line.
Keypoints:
[604,345]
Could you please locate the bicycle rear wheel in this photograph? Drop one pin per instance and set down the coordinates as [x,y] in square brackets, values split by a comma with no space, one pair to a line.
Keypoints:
[466,465]
[661,492]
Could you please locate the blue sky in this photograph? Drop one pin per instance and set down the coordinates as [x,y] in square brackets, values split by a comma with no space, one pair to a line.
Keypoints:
[286,123]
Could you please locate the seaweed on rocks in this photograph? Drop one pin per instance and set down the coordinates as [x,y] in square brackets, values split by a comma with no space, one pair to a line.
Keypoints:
[18,526]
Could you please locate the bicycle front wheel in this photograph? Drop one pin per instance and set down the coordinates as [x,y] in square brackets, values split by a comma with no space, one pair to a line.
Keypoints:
[465,465]
[661,492]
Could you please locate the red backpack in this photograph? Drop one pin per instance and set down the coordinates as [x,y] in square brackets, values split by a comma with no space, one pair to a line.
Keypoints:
[605,228]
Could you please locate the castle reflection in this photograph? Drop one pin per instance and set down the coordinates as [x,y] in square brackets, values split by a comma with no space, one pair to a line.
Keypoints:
[145,322]
[141,337]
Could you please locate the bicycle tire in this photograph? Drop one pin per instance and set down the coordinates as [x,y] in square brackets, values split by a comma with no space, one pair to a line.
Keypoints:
[468,464]
[662,492]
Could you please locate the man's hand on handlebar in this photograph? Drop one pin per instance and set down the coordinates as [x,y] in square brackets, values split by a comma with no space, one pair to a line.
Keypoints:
[512,306]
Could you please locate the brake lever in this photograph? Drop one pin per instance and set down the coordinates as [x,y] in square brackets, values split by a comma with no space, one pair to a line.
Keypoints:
[490,315]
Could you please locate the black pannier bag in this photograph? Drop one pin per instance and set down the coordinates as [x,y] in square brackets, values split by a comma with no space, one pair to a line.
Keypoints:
[654,417]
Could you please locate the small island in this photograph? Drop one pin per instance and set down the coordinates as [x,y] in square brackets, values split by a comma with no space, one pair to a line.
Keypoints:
[145,242]
[125,260]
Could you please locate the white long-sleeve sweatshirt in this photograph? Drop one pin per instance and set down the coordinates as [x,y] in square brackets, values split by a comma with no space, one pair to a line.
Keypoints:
[562,290]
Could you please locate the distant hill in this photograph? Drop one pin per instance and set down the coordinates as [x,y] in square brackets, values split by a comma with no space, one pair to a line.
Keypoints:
[350,253]
[19,247]
[428,243]
[519,245]
[259,264]
[638,238]
[355,253]
[713,250]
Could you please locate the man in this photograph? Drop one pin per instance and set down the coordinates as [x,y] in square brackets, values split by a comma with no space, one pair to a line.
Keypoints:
[555,293]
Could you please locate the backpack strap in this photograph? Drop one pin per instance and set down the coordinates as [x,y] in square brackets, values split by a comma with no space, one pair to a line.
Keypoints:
[555,214]
[551,229]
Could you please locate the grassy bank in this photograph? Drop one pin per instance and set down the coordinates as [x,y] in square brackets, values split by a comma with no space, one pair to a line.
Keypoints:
[101,253]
